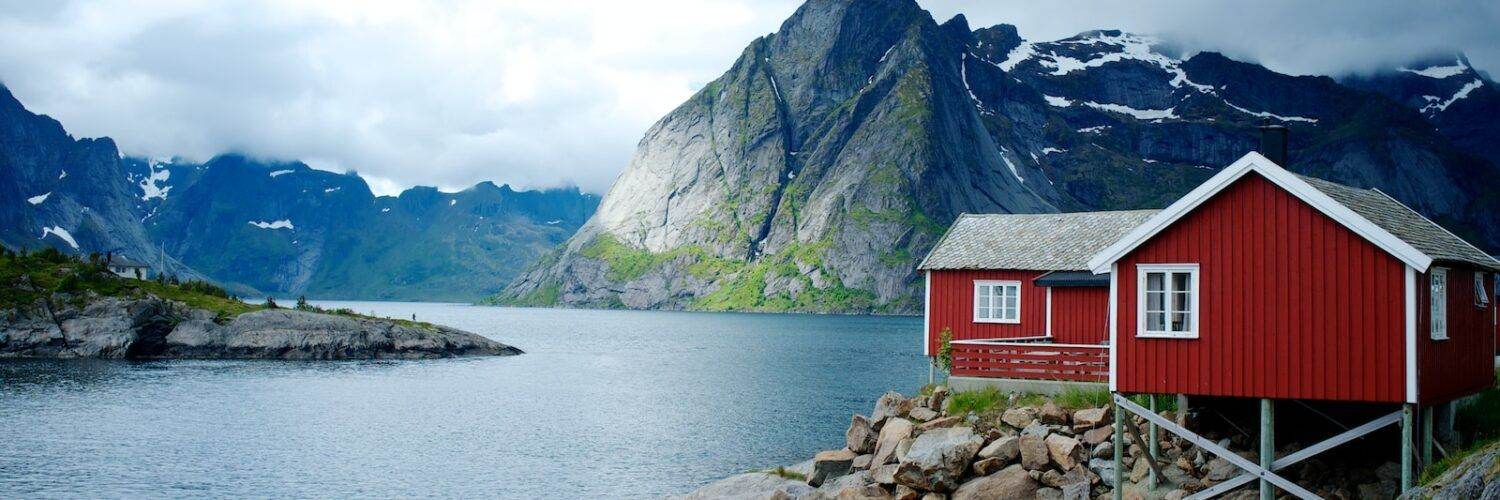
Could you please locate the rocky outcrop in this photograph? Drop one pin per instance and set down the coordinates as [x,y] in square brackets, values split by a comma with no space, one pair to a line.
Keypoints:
[1476,476]
[152,328]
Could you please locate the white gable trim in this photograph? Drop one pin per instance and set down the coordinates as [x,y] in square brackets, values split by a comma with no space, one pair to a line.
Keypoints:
[1254,162]
[1411,335]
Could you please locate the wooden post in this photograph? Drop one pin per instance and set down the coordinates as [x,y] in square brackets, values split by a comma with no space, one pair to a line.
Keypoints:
[1267,446]
[1182,408]
[1153,444]
[1426,436]
[1407,411]
[1119,439]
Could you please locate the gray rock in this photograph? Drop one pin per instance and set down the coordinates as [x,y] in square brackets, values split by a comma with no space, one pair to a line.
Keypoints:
[830,464]
[1221,470]
[151,328]
[1033,452]
[860,438]
[891,434]
[1064,451]
[885,474]
[938,459]
[1051,414]
[750,486]
[938,398]
[923,414]
[1012,482]
[1091,417]
[987,466]
[1105,469]
[1007,448]
[1019,418]
[891,404]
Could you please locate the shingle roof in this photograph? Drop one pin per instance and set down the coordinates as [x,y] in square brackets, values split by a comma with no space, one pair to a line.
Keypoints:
[1404,223]
[1039,242]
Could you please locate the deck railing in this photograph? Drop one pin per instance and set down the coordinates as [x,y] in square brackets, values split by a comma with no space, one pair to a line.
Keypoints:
[1030,358]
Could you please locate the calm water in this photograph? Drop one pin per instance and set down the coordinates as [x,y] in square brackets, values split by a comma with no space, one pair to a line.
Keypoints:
[605,404]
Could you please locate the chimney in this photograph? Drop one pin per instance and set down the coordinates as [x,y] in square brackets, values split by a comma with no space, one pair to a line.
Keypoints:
[1273,142]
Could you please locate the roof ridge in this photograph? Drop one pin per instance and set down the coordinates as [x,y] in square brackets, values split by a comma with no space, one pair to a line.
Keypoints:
[1439,226]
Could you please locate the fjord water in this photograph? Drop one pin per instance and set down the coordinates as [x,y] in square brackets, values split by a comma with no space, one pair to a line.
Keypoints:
[604,404]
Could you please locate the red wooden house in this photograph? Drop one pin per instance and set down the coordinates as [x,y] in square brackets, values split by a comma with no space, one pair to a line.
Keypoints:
[1265,284]
[1015,294]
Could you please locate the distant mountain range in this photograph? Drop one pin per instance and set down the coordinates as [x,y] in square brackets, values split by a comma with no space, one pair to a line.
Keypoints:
[816,172]
[268,227]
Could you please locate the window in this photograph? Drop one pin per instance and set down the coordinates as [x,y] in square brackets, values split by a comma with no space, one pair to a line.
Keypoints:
[1438,296]
[1167,300]
[1481,299]
[997,302]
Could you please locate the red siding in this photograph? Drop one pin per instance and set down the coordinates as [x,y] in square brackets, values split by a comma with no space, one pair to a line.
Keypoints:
[1080,315]
[953,307]
[1463,364]
[1292,305]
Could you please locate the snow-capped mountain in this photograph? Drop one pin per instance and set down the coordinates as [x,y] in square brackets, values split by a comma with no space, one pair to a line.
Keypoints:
[269,227]
[1460,101]
[816,172]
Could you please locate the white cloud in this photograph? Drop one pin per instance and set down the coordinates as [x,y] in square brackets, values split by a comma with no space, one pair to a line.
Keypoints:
[540,93]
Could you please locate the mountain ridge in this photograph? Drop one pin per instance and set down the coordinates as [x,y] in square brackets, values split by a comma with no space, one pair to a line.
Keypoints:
[813,173]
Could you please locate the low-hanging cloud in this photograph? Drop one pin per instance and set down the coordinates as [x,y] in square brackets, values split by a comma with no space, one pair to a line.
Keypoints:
[542,93]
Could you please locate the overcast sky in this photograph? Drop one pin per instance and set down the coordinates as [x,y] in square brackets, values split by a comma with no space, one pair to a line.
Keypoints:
[545,93]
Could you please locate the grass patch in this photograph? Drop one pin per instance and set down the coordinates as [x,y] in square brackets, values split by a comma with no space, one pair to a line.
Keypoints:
[1479,418]
[980,401]
[786,473]
[1440,467]
[1076,398]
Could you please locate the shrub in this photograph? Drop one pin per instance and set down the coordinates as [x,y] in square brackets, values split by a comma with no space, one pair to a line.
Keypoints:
[271,303]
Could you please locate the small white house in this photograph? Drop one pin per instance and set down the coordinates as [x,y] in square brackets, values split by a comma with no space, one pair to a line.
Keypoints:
[127,268]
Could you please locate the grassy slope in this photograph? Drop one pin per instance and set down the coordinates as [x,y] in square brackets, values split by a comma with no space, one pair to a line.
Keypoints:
[26,279]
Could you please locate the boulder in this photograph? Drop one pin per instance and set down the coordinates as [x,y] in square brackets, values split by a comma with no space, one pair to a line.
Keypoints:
[938,459]
[1076,475]
[862,462]
[885,445]
[1006,449]
[1221,470]
[1065,451]
[904,492]
[1048,494]
[939,496]
[902,447]
[885,474]
[1091,417]
[938,398]
[754,485]
[1051,414]
[1105,469]
[860,438]
[851,485]
[864,492]
[922,414]
[1179,494]
[1018,417]
[1140,471]
[940,423]
[891,404]
[1033,450]
[987,466]
[1095,436]
[830,464]
[1012,482]
[1075,491]
[1104,450]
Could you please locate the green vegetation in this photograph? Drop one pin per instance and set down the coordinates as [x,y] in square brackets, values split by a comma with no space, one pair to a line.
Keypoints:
[785,473]
[1076,398]
[1477,420]
[944,358]
[979,402]
[742,286]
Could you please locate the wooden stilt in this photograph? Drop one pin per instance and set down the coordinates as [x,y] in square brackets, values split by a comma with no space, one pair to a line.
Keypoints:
[1407,415]
[1267,446]
[1426,436]
[1182,409]
[1119,439]
[1154,443]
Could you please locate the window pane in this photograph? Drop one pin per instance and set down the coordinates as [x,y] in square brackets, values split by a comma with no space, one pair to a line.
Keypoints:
[1181,302]
[983,301]
[1153,281]
[1180,281]
[1010,302]
[1154,301]
[1180,322]
[1154,322]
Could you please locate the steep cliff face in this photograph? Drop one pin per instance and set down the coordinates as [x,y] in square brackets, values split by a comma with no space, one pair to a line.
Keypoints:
[816,172]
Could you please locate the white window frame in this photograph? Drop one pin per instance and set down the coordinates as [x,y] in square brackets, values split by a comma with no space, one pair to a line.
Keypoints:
[1437,303]
[1005,283]
[1196,291]
[1481,296]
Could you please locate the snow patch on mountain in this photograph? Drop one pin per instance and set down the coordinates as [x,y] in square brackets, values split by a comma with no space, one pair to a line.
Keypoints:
[1139,114]
[63,175]
[1060,102]
[38,199]
[1440,72]
[154,185]
[59,232]
[1267,114]
[330,190]
[280,224]
[1437,107]
[280,173]
[1018,55]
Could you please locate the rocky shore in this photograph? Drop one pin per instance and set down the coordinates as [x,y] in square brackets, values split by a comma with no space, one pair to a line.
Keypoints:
[1027,447]
[153,328]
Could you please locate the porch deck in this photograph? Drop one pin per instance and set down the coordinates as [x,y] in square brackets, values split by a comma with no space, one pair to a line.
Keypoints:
[1030,358]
